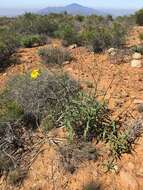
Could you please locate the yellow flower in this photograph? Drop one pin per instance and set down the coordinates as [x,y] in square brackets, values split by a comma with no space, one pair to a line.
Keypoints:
[35,74]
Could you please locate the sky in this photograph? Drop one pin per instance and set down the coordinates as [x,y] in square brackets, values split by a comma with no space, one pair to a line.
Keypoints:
[126,4]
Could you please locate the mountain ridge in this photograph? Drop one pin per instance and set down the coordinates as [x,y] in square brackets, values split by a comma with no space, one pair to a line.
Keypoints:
[73,8]
[76,8]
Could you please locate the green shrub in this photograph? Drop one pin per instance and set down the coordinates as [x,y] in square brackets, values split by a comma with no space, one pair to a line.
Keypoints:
[33,24]
[8,44]
[16,176]
[119,144]
[118,32]
[101,41]
[103,37]
[85,119]
[10,110]
[138,49]
[141,36]
[122,141]
[139,17]
[5,162]
[52,55]
[29,41]
[68,34]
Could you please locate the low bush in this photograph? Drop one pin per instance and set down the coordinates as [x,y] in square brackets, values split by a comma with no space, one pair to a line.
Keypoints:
[139,17]
[29,41]
[42,95]
[6,163]
[52,55]
[138,49]
[119,144]
[68,33]
[104,37]
[73,154]
[141,37]
[93,186]
[8,44]
[10,110]
[122,141]
[85,119]
[15,177]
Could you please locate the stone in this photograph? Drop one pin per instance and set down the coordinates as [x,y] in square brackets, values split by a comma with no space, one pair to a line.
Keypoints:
[128,181]
[138,101]
[137,56]
[113,53]
[4,74]
[136,63]
[109,51]
[66,62]
[73,46]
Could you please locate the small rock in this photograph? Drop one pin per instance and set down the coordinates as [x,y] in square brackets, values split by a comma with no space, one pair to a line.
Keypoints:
[66,63]
[136,63]
[128,181]
[109,51]
[73,46]
[113,53]
[4,74]
[137,56]
[138,101]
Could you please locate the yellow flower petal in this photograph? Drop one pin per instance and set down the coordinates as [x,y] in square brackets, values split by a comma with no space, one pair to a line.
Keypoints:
[35,73]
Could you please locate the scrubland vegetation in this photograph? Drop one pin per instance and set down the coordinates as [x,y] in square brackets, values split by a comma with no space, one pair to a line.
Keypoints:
[29,30]
[48,100]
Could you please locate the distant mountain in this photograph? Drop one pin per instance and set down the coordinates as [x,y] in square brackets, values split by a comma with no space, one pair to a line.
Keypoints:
[75,9]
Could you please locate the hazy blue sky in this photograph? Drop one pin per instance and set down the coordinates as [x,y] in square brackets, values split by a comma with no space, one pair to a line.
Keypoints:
[90,3]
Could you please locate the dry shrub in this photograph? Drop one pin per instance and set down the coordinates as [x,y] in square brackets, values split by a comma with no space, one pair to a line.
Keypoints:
[52,55]
[48,93]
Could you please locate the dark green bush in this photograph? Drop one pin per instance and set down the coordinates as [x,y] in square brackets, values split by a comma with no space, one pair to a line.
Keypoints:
[141,36]
[118,32]
[8,43]
[139,17]
[96,31]
[52,55]
[29,41]
[102,36]
[138,49]
[68,34]
[29,24]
